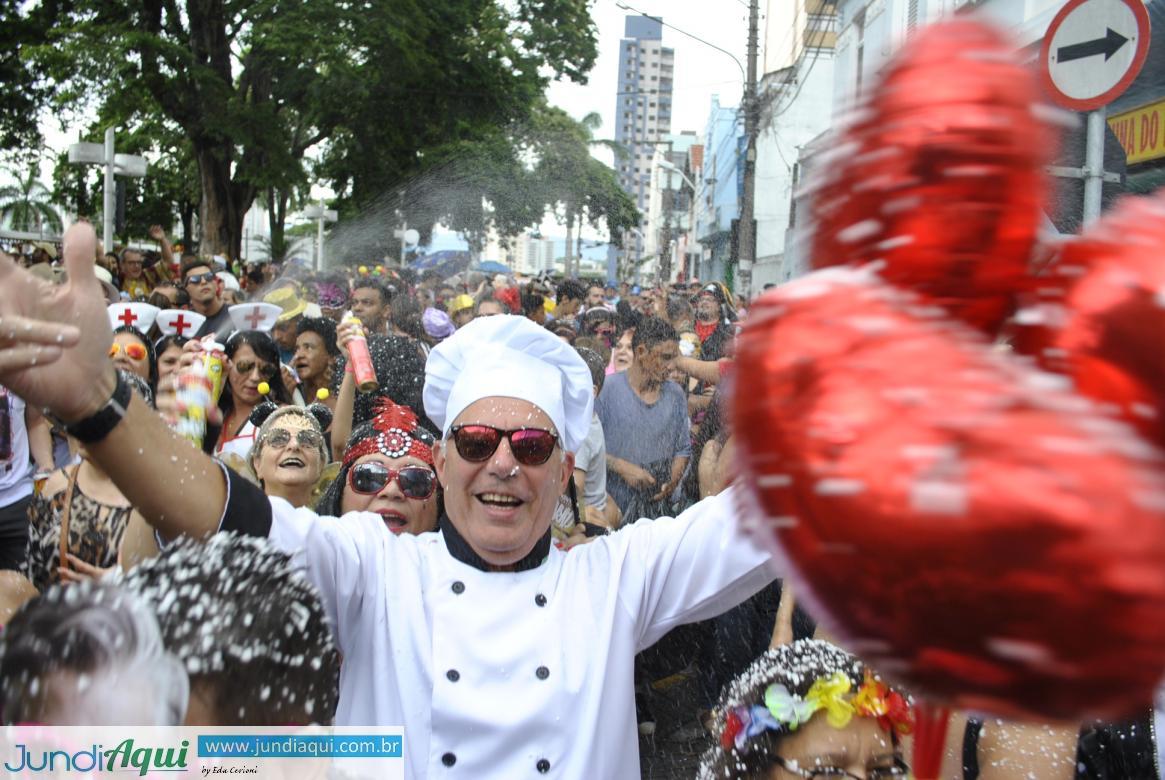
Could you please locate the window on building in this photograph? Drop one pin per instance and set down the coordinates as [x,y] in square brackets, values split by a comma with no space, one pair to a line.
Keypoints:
[655,78]
[651,105]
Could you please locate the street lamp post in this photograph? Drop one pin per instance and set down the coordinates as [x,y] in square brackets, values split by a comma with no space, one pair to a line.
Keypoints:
[407,237]
[120,164]
[671,168]
[321,215]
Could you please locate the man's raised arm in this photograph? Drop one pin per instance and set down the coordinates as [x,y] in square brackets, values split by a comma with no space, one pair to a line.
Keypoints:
[54,353]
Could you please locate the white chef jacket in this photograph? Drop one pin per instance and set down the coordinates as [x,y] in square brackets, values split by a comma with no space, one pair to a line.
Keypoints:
[513,674]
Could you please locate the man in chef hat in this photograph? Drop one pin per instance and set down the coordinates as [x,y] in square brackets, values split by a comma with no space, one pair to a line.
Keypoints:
[500,655]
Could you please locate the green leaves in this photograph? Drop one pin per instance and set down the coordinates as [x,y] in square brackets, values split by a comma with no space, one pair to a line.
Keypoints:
[387,91]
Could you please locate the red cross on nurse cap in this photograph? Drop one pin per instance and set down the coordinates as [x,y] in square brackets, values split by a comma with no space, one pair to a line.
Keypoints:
[133,313]
[254,316]
[178,322]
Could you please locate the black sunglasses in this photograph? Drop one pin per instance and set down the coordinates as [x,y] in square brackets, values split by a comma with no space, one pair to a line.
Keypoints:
[200,278]
[476,443]
[266,370]
[414,481]
[306,437]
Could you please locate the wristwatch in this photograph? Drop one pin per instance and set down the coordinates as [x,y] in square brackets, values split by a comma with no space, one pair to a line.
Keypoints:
[97,426]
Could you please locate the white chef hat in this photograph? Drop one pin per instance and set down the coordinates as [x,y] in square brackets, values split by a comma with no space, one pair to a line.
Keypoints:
[510,357]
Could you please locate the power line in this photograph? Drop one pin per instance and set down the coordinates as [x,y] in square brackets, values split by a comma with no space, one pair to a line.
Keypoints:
[625,7]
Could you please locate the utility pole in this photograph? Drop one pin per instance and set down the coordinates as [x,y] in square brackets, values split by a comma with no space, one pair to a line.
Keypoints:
[747,239]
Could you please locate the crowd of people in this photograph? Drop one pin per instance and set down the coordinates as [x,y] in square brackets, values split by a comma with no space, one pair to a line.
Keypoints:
[536,524]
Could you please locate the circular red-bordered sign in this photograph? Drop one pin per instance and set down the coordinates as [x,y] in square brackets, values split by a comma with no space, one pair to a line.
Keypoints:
[1085,59]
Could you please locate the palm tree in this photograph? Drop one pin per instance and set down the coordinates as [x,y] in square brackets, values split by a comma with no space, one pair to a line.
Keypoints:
[564,146]
[25,205]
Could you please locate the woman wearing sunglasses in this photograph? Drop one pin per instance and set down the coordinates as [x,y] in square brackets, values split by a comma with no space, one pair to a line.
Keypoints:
[388,469]
[290,453]
[253,358]
[809,710]
[131,352]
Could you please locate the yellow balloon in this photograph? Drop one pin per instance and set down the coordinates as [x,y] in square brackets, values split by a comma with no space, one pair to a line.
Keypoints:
[322,394]
[264,388]
[363,269]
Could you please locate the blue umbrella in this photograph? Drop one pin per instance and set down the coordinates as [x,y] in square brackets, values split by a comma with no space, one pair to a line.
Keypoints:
[446,262]
[492,267]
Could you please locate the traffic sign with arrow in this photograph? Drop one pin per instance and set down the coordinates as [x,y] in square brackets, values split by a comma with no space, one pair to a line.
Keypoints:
[1108,45]
[1093,50]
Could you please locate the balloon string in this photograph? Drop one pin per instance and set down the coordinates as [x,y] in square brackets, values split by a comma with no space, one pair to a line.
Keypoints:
[930,736]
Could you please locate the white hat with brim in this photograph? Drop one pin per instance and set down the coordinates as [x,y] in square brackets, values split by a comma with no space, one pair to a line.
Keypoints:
[255,316]
[134,314]
[179,322]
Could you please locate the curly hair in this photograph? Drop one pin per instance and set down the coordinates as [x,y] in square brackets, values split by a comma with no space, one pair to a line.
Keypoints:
[250,630]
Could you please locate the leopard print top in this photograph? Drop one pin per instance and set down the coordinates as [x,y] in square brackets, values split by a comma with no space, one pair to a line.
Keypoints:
[96,531]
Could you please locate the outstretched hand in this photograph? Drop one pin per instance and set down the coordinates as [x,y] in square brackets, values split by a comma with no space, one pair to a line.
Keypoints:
[54,339]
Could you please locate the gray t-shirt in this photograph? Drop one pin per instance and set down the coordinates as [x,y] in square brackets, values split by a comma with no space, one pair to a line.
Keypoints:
[648,435]
[592,458]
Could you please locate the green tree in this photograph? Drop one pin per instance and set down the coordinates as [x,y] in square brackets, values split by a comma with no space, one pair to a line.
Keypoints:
[573,180]
[27,204]
[383,87]
[452,110]
[22,90]
[235,78]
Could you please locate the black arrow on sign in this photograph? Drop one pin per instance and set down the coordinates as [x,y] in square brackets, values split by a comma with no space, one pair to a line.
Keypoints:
[1108,45]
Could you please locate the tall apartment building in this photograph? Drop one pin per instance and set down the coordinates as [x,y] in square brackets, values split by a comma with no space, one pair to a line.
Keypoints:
[642,118]
[534,255]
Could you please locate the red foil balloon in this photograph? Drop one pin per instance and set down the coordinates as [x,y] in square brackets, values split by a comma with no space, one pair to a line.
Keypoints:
[1109,337]
[964,522]
[940,174]
[1097,312]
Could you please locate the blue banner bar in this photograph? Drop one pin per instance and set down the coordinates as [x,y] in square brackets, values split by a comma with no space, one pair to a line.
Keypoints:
[301,746]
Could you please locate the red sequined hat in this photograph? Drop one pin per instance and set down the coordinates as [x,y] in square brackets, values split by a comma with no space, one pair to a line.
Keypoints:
[395,433]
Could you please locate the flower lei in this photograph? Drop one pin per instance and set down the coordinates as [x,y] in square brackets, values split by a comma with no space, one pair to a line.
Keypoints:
[784,712]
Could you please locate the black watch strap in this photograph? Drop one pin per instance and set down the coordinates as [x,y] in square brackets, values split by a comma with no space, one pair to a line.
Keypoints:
[97,426]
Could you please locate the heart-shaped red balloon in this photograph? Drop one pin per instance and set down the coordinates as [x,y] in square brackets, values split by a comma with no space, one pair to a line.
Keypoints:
[939,175]
[963,521]
[1099,313]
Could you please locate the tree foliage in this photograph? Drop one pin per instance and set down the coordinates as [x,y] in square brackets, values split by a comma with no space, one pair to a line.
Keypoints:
[26,205]
[388,88]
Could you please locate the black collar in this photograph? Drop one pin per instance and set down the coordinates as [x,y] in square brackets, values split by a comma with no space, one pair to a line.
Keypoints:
[460,549]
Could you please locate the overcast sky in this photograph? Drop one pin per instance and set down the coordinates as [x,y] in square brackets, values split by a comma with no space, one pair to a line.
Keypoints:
[700,72]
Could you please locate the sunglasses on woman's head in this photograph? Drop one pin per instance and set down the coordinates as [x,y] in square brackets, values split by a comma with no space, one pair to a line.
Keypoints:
[132,351]
[306,437]
[266,370]
[417,482]
[476,443]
